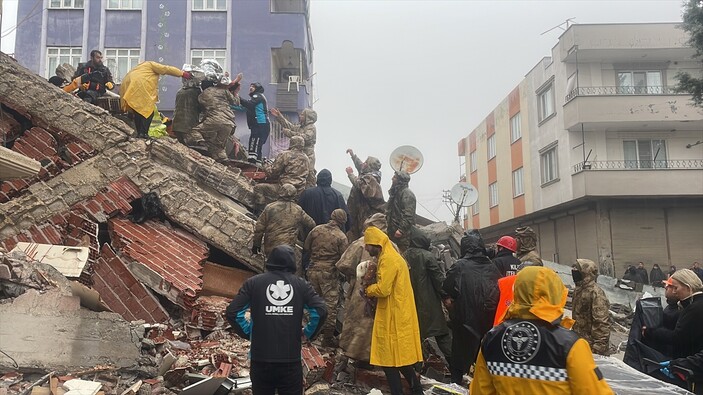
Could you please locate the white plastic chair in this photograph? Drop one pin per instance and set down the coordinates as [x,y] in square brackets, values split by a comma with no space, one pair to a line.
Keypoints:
[294,79]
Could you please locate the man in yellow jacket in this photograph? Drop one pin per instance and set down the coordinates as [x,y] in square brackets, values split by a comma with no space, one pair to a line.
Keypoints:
[140,92]
[395,344]
[533,351]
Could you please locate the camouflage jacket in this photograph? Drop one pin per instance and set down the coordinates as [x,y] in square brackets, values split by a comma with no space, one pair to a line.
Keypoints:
[326,244]
[365,199]
[306,130]
[400,212]
[529,258]
[281,222]
[216,106]
[187,112]
[591,313]
[290,167]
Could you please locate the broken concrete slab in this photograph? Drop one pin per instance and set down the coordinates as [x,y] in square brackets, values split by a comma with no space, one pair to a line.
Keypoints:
[28,274]
[68,260]
[82,387]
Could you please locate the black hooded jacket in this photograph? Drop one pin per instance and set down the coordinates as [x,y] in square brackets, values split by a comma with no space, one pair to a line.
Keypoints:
[256,107]
[506,262]
[319,202]
[276,300]
[472,283]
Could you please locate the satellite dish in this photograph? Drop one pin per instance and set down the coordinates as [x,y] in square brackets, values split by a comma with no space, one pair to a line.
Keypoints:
[406,157]
[463,194]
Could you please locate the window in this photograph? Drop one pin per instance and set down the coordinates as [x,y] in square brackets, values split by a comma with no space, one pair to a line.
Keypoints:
[515,131]
[492,147]
[545,102]
[287,6]
[548,159]
[640,83]
[644,154]
[493,195]
[474,208]
[473,162]
[66,4]
[57,56]
[198,55]
[120,61]
[517,183]
[124,4]
[209,5]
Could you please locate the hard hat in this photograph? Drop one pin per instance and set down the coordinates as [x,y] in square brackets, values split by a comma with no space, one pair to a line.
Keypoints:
[507,242]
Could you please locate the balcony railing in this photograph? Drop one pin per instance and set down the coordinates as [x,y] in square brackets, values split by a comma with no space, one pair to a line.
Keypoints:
[639,165]
[621,91]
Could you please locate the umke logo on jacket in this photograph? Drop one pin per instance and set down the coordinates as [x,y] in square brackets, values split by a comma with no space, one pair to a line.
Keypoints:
[279,294]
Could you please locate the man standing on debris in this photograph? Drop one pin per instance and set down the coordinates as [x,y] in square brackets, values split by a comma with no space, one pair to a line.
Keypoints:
[534,352]
[366,195]
[504,260]
[400,212]
[187,113]
[395,344]
[95,78]
[325,245]
[289,167]
[427,277]
[320,201]
[257,120]
[472,293]
[139,92]
[305,129]
[282,222]
[590,307]
[276,300]
[527,247]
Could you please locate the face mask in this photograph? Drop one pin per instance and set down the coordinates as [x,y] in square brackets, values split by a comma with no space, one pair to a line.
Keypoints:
[577,276]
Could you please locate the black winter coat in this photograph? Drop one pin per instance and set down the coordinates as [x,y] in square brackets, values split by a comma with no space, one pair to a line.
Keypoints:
[319,202]
[506,263]
[686,337]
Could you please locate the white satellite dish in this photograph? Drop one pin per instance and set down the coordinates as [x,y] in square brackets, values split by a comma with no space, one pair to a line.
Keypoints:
[463,194]
[406,157]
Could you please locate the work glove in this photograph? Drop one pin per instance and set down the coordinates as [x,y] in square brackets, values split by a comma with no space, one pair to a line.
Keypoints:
[255,249]
[187,75]
[665,369]
[109,85]
[85,86]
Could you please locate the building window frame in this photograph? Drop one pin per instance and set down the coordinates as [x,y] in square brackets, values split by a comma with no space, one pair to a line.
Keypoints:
[67,4]
[71,55]
[126,5]
[218,54]
[121,60]
[639,153]
[493,194]
[474,208]
[518,182]
[275,10]
[651,85]
[546,104]
[473,161]
[209,5]
[549,164]
[515,128]
[491,146]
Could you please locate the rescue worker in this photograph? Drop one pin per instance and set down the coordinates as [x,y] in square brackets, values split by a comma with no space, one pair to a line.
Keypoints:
[99,78]
[320,201]
[590,307]
[276,300]
[325,244]
[281,222]
[400,211]
[186,115]
[289,167]
[366,195]
[139,92]
[504,260]
[257,120]
[527,247]
[472,293]
[534,352]
[427,277]
[305,129]
[395,344]
[218,118]
[355,339]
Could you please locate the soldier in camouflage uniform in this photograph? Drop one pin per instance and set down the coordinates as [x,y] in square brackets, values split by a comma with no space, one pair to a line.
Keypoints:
[527,247]
[400,212]
[187,114]
[366,195]
[218,120]
[590,307]
[326,244]
[282,222]
[290,167]
[305,129]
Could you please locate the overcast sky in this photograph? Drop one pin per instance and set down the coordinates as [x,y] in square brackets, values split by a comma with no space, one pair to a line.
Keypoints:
[425,73]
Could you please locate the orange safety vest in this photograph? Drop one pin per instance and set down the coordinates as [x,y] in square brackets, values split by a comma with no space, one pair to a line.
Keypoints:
[505,285]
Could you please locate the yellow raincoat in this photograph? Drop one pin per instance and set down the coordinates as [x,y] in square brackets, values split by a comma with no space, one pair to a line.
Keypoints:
[396,332]
[539,295]
[139,89]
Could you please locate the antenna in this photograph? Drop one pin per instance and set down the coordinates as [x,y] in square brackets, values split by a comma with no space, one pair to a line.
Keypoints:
[406,157]
[461,195]
[559,26]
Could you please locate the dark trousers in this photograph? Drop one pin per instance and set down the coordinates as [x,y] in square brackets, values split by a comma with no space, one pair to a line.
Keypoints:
[257,139]
[142,124]
[465,348]
[89,96]
[267,377]
[393,378]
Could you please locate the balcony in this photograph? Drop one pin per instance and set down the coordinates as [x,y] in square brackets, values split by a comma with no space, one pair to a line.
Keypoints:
[629,108]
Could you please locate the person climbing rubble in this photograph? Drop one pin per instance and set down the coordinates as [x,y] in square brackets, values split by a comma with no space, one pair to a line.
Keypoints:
[320,201]
[400,210]
[366,195]
[305,129]
[139,92]
[282,222]
[92,78]
[527,247]
[290,167]
[533,351]
[324,245]
[186,114]
[257,119]
[590,307]
[276,301]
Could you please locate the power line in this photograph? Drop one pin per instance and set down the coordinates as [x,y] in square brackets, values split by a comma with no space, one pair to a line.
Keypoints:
[29,15]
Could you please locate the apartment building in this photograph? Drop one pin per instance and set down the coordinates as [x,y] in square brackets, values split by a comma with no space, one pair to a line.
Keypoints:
[596,151]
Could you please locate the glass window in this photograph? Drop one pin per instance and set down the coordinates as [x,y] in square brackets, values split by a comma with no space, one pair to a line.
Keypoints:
[550,172]
[66,4]
[59,55]
[209,5]
[198,55]
[517,183]
[644,154]
[120,61]
[124,4]
[289,6]
[545,103]
[473,162]
[515,128]
[474,208]
[492,147]
[640,82]
[493,194]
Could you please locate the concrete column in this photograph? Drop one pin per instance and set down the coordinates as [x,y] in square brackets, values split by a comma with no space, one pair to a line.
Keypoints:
[604,239]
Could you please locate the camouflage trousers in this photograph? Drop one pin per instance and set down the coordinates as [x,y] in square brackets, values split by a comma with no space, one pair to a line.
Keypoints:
[215,136]
[325,280]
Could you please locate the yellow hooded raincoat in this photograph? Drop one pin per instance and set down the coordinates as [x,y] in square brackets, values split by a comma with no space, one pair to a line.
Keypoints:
[396,332]
[539,295]
[139,89]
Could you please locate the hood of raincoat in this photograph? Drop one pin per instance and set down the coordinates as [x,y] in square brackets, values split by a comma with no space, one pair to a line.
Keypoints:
[258,88]
[377,220]
[376,237]
[324,178]
[539,293]
[339,216]
[296,143]
[309,116]
[472,244]
[281,258]
[526,240]
[373,163]
[419,239]
[588,269]
[288,192]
